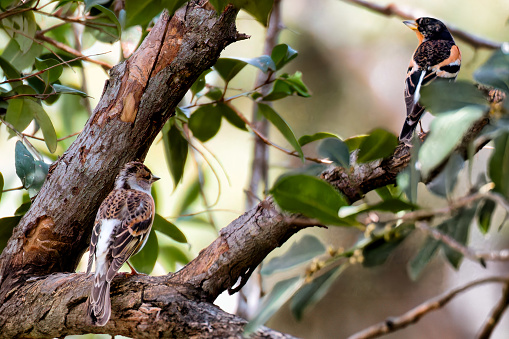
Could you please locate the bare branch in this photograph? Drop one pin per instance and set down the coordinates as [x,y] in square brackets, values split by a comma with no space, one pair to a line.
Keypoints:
[397,323]
[392,9]
[495,315]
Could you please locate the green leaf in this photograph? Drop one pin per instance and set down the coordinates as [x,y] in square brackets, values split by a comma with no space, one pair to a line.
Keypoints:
[214,93]
[378,144]
[68,90]
[486,209]
[19,59]
[279,295]
[228,68]
[283,54]
[52,74]
[443,96]
[31,172]
[355,142]
[447,131]
[499,165]
[443,184]
[199,84]
[170,255]
[378,250]
[336,150]
[18,113]
[388,192]
[457,228]
[303,250]
[191,194]
[91,3]
[408,179]
[310,196]
[422,258]
[6,226]
[230,116]
[175,150]
[287,85]
[164,226]
[42,118]
[104,27]
[263,62]
[142,12]
[306,139]
[23,208]
[393,205]
[10,72]
[495,71]
[205,122]
[259,9]
[219,5]
[309,294]
[21,27]
[145,260]
[281,125]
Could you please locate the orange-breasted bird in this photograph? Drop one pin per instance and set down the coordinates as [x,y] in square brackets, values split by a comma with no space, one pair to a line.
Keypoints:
[436,56]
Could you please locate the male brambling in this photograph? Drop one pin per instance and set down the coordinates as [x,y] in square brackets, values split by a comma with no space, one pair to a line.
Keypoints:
[121,229]
[436,56]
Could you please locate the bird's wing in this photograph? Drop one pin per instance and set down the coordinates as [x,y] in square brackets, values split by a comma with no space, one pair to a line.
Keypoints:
[137,220]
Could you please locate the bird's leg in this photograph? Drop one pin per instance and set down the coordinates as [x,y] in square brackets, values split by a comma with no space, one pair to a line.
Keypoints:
[133,270]
[420,126]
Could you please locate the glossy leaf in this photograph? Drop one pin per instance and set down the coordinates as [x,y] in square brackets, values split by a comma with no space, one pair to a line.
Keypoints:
[164,226]
[379,249]
[283,54]
[444,96]
[104,27]
[310,196]
[68,90]
[21,27]
[278,122]
[264,62]
[170,256]
[408,179]
[447,131]
[306,139]
[7,224]
[228,68]
[355,142]
[303,250]
[457,228]
[287,85]
[52,74]
[175,150]
[205,122]
[42,118]
[18,113]
[495,71]
[426,253]
[484,214]
[31,172]
[443,184]
[279,295]
[378,144]
[311,293]
[19,59]
[230,116]
[259,9]
[145,260]
[499,165]
[142,12]
[336,150]
[199,84]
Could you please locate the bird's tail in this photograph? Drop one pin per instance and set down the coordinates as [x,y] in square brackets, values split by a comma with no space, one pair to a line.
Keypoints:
[411,123]
[99,309]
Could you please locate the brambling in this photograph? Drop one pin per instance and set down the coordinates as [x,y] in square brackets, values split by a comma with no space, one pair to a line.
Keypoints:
[436,56]
[121,229]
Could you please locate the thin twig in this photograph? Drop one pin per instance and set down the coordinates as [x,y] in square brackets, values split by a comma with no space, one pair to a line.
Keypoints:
[396,323]
[58,140]
[392,9]
[270,143]
[13,189]
[495,315]
[72,51]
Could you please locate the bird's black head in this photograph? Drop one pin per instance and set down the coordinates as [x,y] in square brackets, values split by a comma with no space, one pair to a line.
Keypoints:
[433,29]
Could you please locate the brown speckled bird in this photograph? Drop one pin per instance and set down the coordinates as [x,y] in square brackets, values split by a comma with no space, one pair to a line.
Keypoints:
[436,56]
[121,229]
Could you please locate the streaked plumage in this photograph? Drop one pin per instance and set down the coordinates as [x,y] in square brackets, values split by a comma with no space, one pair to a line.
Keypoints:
[121,228]
[436,56]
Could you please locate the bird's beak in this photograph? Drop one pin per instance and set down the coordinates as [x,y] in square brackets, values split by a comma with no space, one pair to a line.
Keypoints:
[411,24]
[154,178]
